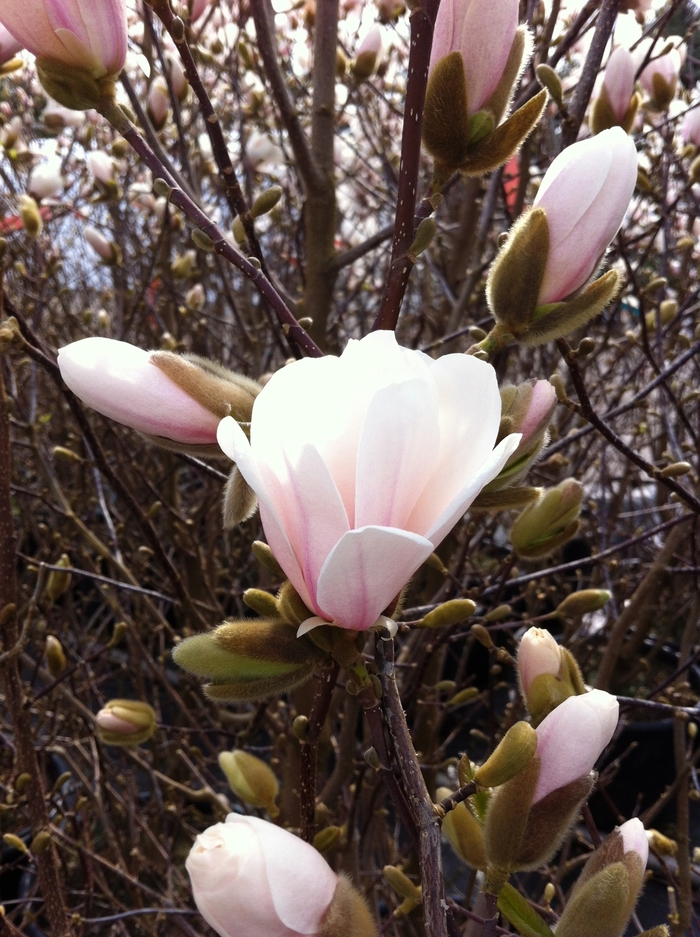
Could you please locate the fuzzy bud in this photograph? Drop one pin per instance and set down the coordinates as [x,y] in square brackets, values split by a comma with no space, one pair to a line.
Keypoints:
[526,409]
[510,757]
[449,613]
[582,602]
[55,657]
[464,832]
[58,582]
[549,522]
[30,216]
[249,659]
[125,722]
[548,673]
[251,780]
[266,201]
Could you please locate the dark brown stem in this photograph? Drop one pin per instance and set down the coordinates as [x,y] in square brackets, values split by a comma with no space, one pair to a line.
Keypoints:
[584,87]
[685,889]
[232,189]
[426,815]
[219,244]
[422,25]
[585,408]
[309,750]
[26,761]
[449,803]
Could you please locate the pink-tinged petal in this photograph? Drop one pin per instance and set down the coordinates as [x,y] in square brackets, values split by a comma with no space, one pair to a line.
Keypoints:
[301,882]
[310,511]
[29,24]
[105,30]
[572,738]
[485,39]
[691,125]
[619,80]
[397,452]
[538,654]
[469,414]
[110,723]
[119,381]
[9,46]
[585,194]
[234,443]
[365,572]
[634,838]
[449,12]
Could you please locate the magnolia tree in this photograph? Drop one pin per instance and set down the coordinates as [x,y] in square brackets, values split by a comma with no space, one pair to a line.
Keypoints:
[348,466]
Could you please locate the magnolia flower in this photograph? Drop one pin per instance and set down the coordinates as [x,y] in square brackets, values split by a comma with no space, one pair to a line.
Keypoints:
[99,243]
[585,194]
[691,125]
[634,838]
[121,382]
[538,653]
[619,81]
[369,53]
[572,737]
[89,36]
[660,76]
[158,103]
[125,722]
[251,878]
[101,166]
[9,46]
[45,180]
[483,32]
[363,464]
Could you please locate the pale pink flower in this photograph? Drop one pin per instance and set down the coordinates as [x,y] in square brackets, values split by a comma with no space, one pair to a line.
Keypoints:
[88,34]
[251,878]
[666,66]
[585,194]
[120,381]
[619,81]
[691,125]
[363,464]
[110,722]
[98,242]
[101,166]
[45,180]
[483,31]
[538,653]
[9,46]
[634,839]
[572,737]
[539,413]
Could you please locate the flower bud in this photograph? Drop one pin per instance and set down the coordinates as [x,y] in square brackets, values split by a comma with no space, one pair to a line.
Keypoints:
[158,103]
[266,201]
[464,832]
[369,54]
[526,409]
[106,249]
[101,166]
[608,886]
[528,816]
[250,878]
[617,103]
[691,126]
[30,215]
[449,613]
[659,77]
[249,659]
[582,602]
[549,522]
[58,582]
[251,780]
[538,654]
[261,602]
[125,722]
[45,180]
[175,400]
[55,658]
[547,677]
[510,757]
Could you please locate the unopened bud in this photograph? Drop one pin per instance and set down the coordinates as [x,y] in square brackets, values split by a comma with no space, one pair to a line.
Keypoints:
[483,637]
[184,265]
[202,240]
[238,230]
[582,602]
[261,602]
[424,237]
[14,842]
[30,215]
[300,727]
[40,843]
[664,845]
[449,613]
[549,522]
[266,201]
[372,759]
[22,782]
[120,630]
[263,554]
[464,832]
[496,614]
[125,722]
[58,582]
[464,696]
[511,755]
[326,839]
[55,658]
[251,779]
[694,171]
[675,470]
[549,79]
[401,883]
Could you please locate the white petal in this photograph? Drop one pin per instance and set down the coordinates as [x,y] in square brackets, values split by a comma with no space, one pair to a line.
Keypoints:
[309,625]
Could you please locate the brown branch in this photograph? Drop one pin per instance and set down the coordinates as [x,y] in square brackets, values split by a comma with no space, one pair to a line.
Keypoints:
[422,25]
[26,760]
[309,750]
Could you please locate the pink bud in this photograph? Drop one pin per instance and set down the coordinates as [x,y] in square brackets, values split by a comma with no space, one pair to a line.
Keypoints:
[619,81]
[634,839]
[572,737]
[45,180]
[483,31]
[110,722]
[101,166]
[98,242]
[585,194]
[538,653]
[666,66]
[363,464]
[91,36]
[119,381]
[251,878]
[198,8]
[691,125]
[372,41]
[539,413]
[9,46]
[158,103]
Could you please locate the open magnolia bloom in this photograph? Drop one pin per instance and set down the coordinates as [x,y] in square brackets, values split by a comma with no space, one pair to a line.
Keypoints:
[363,463]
